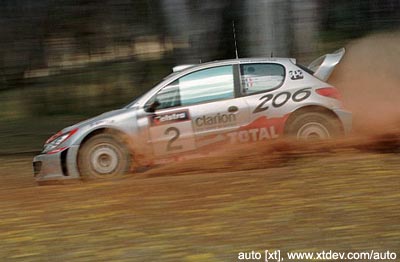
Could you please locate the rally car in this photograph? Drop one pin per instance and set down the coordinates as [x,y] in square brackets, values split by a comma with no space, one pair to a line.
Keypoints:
[197,107]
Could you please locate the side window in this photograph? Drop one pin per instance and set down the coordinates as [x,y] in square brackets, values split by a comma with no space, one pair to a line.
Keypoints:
[261,77]
[202,86]
[169,96]
[207,85]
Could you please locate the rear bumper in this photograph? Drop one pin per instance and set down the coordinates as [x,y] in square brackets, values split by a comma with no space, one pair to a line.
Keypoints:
[346,117]
[58,166]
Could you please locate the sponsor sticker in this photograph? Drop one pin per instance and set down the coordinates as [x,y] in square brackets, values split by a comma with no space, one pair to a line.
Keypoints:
[168,118]
[296,74]
[209,122]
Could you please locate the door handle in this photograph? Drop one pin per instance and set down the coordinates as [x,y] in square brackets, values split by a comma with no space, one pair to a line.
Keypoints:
[233,109]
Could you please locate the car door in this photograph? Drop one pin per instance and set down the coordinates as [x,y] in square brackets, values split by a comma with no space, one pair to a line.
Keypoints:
[261,88]
[197,110]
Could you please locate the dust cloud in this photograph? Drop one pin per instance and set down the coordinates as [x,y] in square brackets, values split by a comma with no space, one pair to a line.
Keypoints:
[278,153]
[369,80]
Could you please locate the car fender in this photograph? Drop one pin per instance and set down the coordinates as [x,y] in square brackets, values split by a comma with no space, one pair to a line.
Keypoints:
[73,151]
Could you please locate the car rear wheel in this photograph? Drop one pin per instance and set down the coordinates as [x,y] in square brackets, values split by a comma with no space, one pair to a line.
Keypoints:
[314,126]
[103,156]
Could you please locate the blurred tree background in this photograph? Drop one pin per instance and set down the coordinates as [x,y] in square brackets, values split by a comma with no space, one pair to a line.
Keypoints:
[63,61]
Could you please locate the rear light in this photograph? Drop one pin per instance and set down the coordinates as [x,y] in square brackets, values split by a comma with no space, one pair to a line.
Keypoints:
[329,92]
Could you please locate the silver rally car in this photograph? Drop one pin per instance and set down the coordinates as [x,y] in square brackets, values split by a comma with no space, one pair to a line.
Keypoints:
[196,108]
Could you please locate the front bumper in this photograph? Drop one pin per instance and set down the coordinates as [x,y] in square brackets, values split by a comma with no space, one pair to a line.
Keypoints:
[346,118]
[58,166]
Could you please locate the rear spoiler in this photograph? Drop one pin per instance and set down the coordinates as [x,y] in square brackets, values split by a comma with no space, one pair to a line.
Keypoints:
[324,65]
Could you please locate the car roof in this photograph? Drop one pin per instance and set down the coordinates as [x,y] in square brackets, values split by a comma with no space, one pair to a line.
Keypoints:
[180,68]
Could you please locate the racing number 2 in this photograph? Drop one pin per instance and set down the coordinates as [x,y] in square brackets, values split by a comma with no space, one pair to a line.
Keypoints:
[176,133]
[169,138]
[298,96]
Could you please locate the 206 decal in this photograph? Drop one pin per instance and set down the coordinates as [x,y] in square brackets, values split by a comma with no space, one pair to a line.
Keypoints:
[298,96]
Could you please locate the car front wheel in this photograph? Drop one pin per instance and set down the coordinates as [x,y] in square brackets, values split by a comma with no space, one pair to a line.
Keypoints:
[103,156]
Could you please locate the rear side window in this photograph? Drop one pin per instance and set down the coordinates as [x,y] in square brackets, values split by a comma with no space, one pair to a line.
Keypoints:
[256,78]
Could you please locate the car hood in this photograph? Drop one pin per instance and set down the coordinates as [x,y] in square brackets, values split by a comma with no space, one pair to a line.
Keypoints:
[97,119]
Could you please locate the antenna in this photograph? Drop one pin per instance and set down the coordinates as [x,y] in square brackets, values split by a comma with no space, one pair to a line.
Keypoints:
[234,38]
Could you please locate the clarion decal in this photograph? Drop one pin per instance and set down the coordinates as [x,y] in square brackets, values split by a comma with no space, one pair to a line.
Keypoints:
[168,118]
[218,120]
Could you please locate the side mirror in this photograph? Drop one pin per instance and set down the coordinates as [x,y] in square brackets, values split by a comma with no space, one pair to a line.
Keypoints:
[151,108]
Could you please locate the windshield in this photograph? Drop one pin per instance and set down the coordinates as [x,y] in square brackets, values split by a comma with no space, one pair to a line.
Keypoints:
[132,103]
[137,98]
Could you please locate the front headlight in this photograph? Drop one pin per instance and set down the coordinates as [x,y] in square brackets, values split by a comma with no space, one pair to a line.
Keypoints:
[57,139]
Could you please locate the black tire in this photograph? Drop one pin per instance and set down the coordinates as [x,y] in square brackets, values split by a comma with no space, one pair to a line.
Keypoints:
[103,156]
[314,126]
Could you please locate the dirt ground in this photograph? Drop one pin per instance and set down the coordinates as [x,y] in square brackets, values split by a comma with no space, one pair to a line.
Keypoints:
[335,196]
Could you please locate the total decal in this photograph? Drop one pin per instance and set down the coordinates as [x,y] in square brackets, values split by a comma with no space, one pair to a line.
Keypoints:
[262,128]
